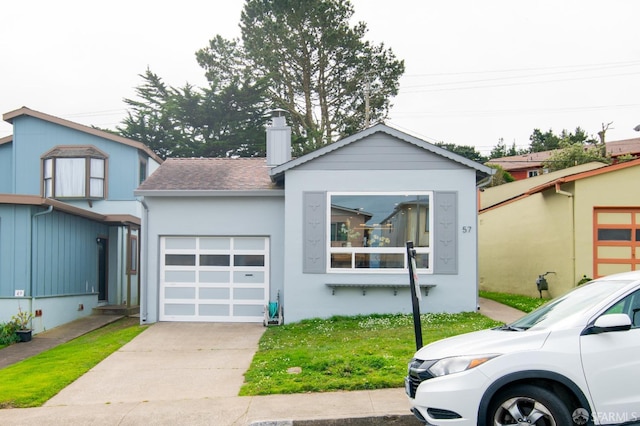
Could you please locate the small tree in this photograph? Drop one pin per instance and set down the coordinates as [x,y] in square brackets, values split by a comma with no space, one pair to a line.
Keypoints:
[466,151]
[570,155]
[501,176]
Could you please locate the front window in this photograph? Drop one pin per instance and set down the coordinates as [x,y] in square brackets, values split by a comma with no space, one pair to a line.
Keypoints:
[74,173]
[370,231]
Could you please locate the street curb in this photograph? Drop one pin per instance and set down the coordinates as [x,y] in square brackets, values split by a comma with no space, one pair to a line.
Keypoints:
[392,420]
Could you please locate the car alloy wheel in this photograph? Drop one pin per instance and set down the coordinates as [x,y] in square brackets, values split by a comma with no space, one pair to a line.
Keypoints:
[530,405]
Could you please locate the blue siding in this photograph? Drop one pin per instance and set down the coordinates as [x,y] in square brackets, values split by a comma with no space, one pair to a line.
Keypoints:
[34,137]
[65,259]
[6,168]
[64,256]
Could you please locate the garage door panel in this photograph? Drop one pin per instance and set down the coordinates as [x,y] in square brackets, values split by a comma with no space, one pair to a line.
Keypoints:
[242,277]
[248,243]
[248,310]
[214,310]
[616,240]
[215,260]
[214,276]
[180,276]
[248,293]
[248,260]
[215,293]
[180,292]
[215,243]
[180,309]
[214,279]
[180,243]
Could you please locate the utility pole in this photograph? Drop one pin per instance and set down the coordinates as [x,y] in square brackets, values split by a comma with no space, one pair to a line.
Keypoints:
[367,95]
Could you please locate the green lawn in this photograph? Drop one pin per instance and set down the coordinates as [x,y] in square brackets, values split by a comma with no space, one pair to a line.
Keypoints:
[35,380]
[523,303]
[340,353]
[346,353]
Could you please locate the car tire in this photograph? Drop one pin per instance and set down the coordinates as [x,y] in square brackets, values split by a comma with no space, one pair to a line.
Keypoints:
[528,403]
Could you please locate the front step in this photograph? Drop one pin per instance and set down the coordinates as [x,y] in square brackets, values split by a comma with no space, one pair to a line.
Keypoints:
[125,310]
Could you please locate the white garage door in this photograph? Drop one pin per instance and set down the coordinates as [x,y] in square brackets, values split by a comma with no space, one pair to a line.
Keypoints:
[222,279]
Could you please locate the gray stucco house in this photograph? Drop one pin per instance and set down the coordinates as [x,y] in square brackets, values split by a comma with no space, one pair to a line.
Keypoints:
[324,233]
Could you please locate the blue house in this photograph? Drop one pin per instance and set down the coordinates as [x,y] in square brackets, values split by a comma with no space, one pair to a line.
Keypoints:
[324,234]
[69,221]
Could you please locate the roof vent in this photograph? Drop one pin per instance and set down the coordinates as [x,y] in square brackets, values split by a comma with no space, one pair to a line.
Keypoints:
[278,139]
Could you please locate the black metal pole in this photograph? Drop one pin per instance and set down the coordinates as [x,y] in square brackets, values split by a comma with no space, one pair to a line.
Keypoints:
[415,302]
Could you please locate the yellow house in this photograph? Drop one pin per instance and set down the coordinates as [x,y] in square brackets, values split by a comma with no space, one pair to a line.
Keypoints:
[577,222]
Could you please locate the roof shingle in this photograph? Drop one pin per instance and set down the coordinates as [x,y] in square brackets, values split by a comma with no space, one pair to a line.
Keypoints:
[210,174]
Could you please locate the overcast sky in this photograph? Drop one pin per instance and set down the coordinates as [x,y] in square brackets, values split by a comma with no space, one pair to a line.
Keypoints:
[476,71]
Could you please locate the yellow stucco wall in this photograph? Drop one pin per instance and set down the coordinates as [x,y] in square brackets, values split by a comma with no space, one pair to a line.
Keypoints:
[616,189]
[540,233]
[523,239]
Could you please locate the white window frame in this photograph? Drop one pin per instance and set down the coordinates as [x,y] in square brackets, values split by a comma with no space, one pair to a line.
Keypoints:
[379,250]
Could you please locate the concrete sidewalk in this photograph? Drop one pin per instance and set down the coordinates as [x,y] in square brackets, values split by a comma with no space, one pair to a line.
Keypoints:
[51,338]
[191,373]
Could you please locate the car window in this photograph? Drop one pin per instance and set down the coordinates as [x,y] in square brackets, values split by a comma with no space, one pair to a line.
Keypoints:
[573,303]
[629,305]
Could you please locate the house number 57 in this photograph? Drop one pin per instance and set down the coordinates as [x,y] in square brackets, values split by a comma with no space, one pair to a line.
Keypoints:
[466,229]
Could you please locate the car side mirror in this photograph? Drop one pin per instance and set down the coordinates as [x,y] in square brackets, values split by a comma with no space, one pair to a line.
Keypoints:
[608,323]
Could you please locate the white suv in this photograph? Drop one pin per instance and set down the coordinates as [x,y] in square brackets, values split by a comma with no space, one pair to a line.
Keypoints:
[574,361]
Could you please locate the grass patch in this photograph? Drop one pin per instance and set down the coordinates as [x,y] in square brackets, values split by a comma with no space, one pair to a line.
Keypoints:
[523,303]
[30,383]
[346,353]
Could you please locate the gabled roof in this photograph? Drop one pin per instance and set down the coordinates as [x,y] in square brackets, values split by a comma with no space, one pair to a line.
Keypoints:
[9,116]
[503,194]
[6,139]
[209,176]
[524,161]
[34,200]
[535,159]
[482,171]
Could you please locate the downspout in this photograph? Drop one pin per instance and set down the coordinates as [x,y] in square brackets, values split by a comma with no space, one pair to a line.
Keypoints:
[144,248]
[33,299]
[573,228]
[127,263]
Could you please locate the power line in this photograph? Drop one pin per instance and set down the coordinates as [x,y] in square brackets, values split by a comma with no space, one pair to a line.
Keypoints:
[596,66]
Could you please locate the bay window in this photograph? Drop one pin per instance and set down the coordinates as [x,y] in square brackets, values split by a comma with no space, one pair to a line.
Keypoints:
[368,232]
[77,172]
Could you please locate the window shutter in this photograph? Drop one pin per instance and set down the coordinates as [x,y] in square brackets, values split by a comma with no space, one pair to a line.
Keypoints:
[314,232]
[445,240]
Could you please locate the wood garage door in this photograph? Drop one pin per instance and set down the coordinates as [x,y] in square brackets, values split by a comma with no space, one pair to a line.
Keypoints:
[214,279]
[616,240]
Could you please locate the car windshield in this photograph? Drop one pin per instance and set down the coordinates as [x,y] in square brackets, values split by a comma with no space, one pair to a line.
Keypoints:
[573,303]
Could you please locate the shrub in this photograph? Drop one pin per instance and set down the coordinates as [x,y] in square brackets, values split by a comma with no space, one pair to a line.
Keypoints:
[8,333]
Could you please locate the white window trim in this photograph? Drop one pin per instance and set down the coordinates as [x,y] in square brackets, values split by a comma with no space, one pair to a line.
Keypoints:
[381,250]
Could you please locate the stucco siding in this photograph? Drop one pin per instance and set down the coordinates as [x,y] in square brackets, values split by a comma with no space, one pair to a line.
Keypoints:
[522,240]
[308,296]
[605,190]
[208,216]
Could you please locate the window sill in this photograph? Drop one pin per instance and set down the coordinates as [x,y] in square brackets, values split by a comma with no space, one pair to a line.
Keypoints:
[365,287]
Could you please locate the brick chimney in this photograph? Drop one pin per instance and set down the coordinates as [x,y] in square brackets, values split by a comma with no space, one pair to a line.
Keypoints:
[278,139]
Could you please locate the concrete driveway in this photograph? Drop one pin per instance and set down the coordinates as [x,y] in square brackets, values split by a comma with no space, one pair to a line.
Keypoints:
[192,360]
[190,374]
